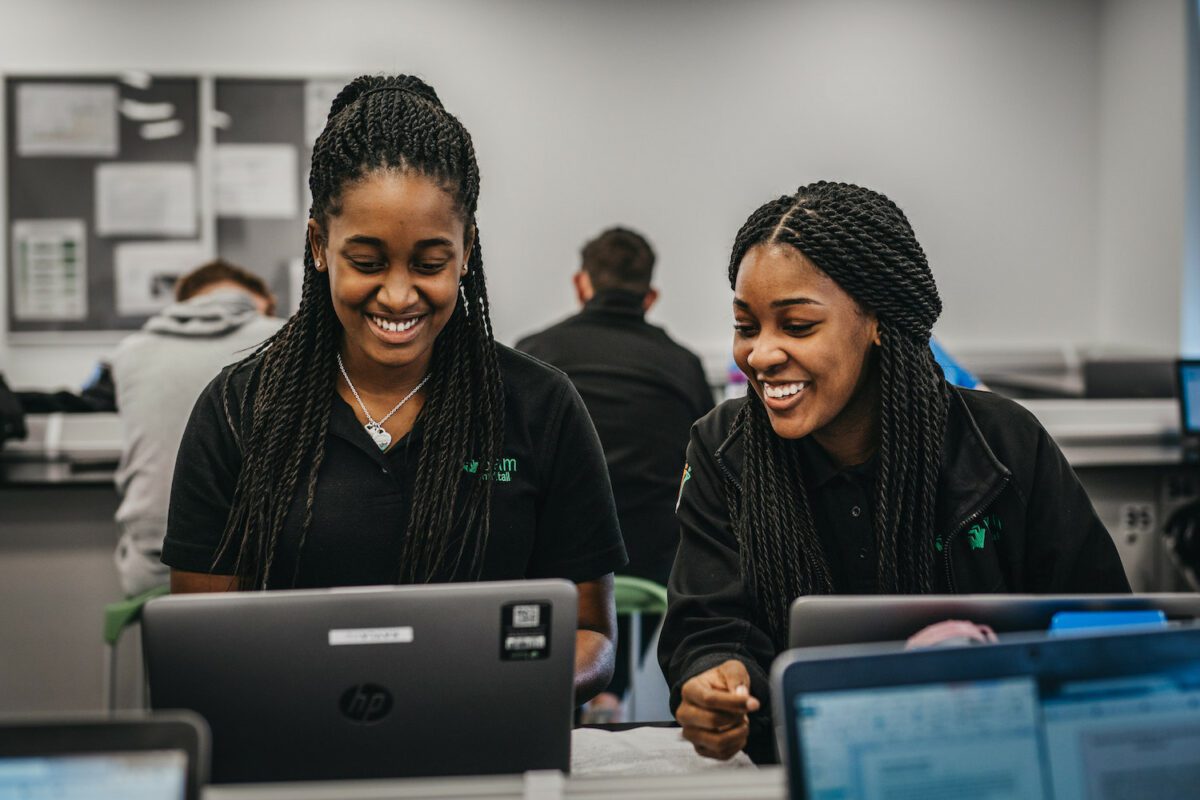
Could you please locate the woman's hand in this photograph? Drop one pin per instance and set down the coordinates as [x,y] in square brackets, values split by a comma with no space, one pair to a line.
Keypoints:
[715,710]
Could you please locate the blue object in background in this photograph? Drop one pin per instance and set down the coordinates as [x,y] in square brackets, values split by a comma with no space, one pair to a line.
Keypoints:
[1066,623]
[955,373]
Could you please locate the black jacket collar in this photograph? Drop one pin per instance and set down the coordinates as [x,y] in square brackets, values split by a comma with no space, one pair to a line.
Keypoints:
[971,475]
[616,302]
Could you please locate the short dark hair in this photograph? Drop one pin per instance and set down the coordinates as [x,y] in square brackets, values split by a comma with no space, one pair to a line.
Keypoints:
[191,284]
[619,259]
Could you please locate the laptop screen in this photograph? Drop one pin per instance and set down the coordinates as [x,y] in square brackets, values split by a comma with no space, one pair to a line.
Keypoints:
[139,775]
[1189,395]
[1018,737]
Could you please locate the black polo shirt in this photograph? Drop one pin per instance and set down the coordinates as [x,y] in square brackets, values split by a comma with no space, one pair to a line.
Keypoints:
[843,507]
[552,509]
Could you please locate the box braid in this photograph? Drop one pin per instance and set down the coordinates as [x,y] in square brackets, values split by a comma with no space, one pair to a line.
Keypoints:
[375,123]
[863,241]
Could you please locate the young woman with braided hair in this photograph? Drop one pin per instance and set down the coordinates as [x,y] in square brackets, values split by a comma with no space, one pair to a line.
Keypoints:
[382,435]
[851,466]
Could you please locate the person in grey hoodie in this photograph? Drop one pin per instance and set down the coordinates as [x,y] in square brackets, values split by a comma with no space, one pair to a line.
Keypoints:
[221,313]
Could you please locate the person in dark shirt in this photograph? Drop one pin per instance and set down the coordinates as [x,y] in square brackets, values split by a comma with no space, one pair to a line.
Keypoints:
[382,436]
[851,466]
[643,391]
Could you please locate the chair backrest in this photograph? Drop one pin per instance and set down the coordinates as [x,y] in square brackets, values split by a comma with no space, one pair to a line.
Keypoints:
[638,594]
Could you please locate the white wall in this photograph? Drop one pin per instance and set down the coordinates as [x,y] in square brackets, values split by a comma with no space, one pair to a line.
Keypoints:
[1010,131]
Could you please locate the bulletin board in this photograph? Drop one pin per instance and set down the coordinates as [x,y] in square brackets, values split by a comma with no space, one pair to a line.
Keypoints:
[247,142]
[267,237]
[97,171]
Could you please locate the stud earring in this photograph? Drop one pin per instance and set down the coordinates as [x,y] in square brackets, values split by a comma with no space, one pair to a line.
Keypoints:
[318,262]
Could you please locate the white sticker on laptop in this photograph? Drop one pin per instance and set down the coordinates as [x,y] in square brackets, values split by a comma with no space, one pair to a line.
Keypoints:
[527,616]
[525,631]
[341,636]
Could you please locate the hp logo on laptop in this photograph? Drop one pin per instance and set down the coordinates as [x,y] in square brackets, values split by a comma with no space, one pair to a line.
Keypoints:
[366,703]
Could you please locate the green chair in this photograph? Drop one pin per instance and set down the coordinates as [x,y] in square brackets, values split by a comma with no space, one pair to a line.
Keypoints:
[637,596]
[117,617]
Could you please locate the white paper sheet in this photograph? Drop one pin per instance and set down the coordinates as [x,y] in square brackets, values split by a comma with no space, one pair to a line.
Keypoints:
[256,180]
[67,119]
[146,272]
[150,199]
[641,751]
[318,97]
[50,269]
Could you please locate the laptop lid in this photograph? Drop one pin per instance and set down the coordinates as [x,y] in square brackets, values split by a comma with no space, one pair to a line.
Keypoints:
[156,757]
[1187,374]
[452,679]
[850,619]
[1077,717]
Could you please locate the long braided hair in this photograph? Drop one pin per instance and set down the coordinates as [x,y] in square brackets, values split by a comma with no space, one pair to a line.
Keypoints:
[863,241]
[375,123]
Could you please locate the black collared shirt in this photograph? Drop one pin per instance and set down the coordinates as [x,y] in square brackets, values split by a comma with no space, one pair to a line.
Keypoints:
[843,508]
[552,508]
[644,391]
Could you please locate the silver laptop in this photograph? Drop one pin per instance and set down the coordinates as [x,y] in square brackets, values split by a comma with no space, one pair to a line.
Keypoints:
[851,619]
[154,757]
[1110,717]
[452,679]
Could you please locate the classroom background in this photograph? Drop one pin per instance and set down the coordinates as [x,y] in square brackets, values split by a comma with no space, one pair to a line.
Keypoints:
[1046,152]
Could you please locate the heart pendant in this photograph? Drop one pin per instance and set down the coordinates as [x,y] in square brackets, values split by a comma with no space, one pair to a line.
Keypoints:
[381,437]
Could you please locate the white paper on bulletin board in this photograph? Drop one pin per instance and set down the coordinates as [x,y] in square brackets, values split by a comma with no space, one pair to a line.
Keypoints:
[148,199]
[256,180]
[146,273]
[67,119]
[50,269]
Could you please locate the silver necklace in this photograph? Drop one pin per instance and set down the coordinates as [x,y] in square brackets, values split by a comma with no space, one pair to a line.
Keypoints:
[374,429]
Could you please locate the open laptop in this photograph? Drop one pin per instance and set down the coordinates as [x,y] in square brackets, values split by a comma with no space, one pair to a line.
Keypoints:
[1099,717]
[852,619]
[1187,373]
[452,679]
[157,757]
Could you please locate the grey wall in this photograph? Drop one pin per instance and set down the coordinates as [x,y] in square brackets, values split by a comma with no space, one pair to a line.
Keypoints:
[1037,145]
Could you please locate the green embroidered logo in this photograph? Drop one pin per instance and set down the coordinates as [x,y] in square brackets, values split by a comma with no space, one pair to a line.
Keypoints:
[503,472]
[687,476]
[977,534]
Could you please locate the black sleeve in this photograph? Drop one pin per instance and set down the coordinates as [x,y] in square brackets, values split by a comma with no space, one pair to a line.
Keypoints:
[1069,550]
[578,536]
[710,609]
[206,473]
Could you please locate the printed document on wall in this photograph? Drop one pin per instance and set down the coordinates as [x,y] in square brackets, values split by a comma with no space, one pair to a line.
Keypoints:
[256,180]
[50,269]
[146,273]
[148,199]
[67,119]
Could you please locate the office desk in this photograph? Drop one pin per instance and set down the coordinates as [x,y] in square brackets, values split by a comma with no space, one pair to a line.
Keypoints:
[1128,457]
[766,783]
[57,536]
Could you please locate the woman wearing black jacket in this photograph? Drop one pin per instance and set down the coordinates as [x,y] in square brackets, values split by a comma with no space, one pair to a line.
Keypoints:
[851,466]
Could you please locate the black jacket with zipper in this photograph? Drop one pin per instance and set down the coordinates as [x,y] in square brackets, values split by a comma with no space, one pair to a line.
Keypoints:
[1010,517]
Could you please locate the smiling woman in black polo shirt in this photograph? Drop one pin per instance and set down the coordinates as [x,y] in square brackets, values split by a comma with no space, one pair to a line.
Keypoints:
[382,435]
[851,466]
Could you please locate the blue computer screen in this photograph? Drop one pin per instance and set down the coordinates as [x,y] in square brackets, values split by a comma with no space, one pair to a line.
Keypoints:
[1189,395]
[148,775]
[1013,738]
